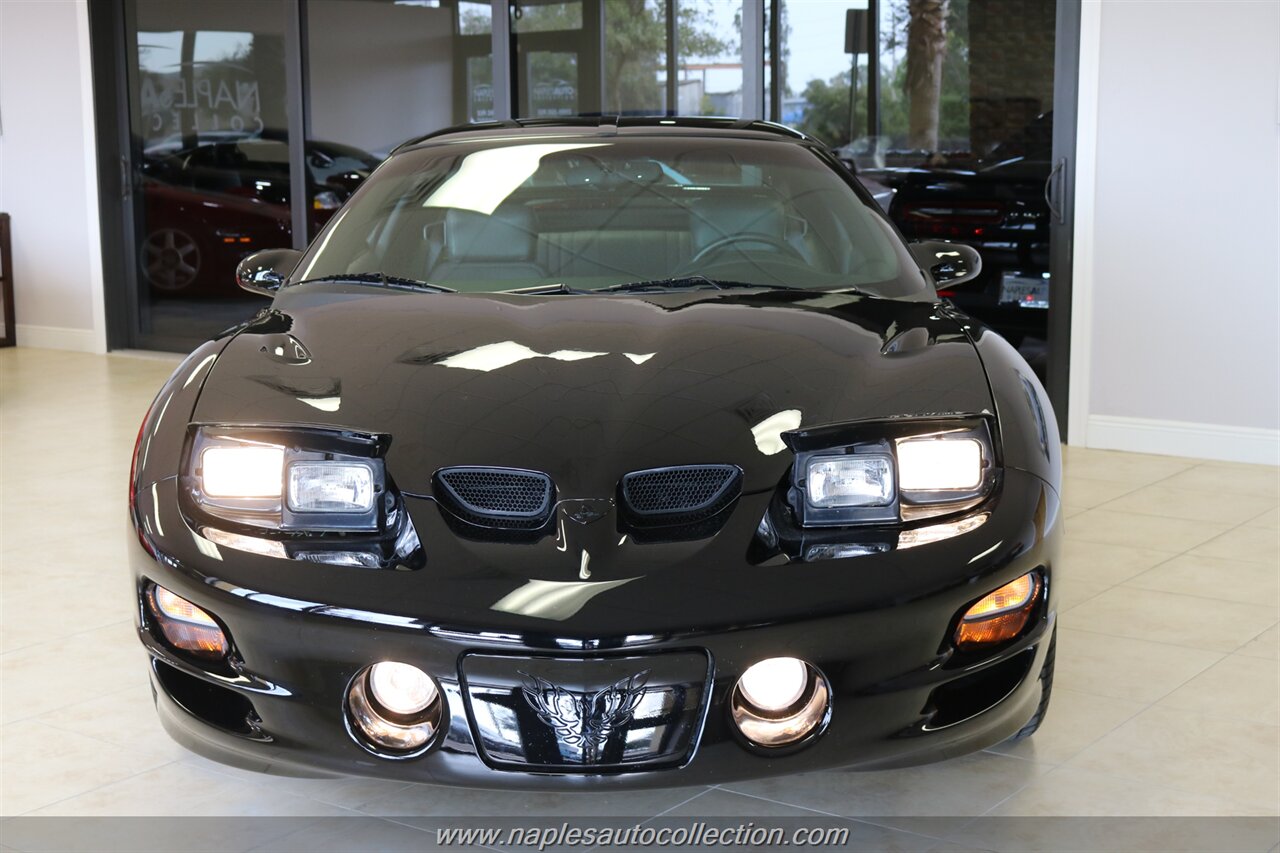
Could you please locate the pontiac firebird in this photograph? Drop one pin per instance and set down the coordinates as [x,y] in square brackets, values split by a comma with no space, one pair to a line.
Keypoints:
[593,453]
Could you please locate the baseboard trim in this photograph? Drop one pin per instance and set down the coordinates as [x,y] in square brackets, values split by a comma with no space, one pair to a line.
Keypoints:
[58,337]
[1182,438]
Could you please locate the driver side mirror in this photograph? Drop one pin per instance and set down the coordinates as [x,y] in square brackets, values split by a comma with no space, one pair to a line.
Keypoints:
[951,264]
[265,272]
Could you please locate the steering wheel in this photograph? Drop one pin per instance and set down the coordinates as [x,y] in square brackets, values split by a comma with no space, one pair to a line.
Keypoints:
[760,239]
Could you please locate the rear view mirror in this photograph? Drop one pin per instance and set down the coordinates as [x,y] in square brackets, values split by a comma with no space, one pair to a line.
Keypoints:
[265,272]
[949,263]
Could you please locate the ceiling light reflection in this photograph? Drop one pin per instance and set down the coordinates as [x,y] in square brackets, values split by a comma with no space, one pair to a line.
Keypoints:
[554,600]
[486,178]
[768,433]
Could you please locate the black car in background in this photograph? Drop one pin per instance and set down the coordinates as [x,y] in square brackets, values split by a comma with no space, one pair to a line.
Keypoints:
[997,204]
[600,453]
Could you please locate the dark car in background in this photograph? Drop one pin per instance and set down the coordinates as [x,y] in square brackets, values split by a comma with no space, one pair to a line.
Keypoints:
[600,453]
[997,204]
[209,205]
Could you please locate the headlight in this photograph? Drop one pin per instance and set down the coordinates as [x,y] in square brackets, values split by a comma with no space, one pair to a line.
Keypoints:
[242,471]
[331,487]
[852,480]
[908,472]
[939,464]
[295,480]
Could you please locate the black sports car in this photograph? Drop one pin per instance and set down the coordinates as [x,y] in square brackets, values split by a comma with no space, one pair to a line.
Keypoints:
[600,453]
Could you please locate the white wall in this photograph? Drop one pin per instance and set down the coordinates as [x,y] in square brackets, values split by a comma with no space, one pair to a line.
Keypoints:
[1181,291]
[403,56]
[48,178]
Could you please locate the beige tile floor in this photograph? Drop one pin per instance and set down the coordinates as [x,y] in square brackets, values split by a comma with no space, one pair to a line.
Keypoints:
[1165,703]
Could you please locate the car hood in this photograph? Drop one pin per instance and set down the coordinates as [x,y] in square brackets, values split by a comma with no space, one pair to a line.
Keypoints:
[587,388]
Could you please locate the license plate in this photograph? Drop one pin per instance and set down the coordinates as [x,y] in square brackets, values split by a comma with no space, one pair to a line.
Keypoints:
[1028,291]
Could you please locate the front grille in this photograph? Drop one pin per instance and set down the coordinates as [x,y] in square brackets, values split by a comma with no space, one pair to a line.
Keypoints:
[585,714]
[506,498]
[686,494]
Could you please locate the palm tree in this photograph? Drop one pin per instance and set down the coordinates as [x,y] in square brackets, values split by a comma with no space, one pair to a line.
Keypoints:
[926,46]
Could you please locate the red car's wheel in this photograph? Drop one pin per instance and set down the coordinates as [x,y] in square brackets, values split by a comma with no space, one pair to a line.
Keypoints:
[170,259]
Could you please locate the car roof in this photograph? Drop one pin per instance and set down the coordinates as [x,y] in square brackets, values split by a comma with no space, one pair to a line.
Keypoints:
[659,125]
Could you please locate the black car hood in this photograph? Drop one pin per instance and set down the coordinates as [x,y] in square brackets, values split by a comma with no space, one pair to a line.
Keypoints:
[588,388]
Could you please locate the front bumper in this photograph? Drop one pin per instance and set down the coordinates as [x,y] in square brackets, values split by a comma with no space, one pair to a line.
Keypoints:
[899,695]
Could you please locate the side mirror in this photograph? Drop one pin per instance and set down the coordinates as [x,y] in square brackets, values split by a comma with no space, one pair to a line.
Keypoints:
[951,264]
[264,272]
[848,163]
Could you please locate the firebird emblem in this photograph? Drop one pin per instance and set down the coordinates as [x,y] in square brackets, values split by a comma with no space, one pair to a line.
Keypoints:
[585,720]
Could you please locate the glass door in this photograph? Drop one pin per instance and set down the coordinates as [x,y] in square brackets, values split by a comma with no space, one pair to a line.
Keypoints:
[208,167]
[556,65]
[946,110]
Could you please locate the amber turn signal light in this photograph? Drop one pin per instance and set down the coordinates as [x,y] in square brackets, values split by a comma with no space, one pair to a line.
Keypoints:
[1000,615]
[185,626]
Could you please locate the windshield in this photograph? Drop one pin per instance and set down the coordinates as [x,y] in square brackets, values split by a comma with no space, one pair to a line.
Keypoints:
[585,213]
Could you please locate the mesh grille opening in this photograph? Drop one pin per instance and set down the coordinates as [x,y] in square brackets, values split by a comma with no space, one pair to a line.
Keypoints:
[687,490]
[496,497]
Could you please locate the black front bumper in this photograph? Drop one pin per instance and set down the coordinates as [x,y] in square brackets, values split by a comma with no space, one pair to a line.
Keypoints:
[899,694]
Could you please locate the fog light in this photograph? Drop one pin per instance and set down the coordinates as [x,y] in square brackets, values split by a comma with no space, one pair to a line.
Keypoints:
[394,707]
[184,625]
[999,616]
[775,684]
[780,701]
[401,688]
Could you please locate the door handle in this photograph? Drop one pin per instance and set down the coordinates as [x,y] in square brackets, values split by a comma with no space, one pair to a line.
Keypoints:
[1052,195]
[126,179]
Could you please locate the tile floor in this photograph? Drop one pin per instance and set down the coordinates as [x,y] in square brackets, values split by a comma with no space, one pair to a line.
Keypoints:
[1165,702]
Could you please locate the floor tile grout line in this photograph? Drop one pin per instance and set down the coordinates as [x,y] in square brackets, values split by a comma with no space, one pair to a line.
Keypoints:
[1172,645]
[60,638]
[36,716]
[764,799]
[1191,594]
[88,791]
[672,808]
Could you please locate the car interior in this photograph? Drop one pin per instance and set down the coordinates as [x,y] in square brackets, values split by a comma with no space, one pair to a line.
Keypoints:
[591,223]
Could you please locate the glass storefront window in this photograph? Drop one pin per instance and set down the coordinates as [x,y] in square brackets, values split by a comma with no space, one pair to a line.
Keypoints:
[210,163]
[709,67]
[955,141]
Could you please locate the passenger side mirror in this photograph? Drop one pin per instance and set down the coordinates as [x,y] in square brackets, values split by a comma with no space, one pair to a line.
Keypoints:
[949,263]
[848,163]
[264,272]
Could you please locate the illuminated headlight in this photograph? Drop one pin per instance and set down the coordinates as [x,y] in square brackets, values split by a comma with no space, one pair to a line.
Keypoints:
[908,472]
[242,471]
[241,475]
[939,464]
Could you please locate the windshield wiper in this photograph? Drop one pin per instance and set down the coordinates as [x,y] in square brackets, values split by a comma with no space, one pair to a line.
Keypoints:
[381,279]
[544,289]
[689,282]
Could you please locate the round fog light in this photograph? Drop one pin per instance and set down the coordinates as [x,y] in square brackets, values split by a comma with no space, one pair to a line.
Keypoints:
[775,684]
[780,701]
[401,688]
[394,709]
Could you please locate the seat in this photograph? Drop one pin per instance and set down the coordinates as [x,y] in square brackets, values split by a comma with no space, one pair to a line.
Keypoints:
[487,247]
[625,254]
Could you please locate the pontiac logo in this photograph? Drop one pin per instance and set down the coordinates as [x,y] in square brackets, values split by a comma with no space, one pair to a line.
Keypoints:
[585,720]
[585,510]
